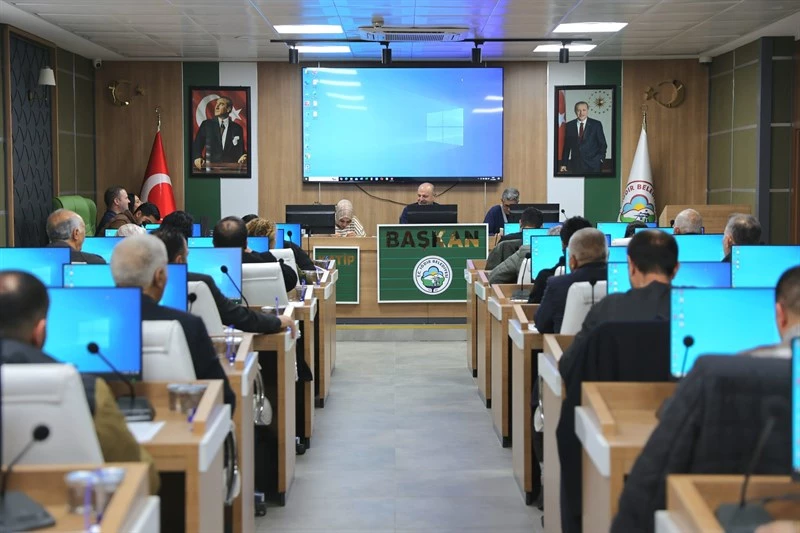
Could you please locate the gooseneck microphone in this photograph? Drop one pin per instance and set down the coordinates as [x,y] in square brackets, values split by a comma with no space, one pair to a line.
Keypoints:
[17,511]
[288,234]
[688,342]
[192,298]
[40,433]
[224,270]
[565,214]
[592,282]
[520,293]
[136,409]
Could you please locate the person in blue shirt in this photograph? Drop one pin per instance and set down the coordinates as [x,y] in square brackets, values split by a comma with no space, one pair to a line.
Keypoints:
[497,216]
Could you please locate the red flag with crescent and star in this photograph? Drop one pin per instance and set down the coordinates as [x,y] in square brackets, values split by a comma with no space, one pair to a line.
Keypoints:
[157,187]
[562,123]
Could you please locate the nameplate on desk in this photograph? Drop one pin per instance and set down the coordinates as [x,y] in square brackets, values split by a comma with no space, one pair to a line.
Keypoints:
[144,431]
[494,308]
[325,275]
[480,291]
[516,333]
[467,276]
[335,276]
[550,373]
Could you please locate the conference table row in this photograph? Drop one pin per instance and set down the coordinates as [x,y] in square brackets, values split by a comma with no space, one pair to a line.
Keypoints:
[189,452]
[507,355]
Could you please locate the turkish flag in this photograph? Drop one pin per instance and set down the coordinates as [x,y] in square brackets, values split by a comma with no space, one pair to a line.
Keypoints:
[157,187]
[562,123]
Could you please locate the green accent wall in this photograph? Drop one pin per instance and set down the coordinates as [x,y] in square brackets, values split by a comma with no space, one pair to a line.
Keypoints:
[602,196]
[202,194]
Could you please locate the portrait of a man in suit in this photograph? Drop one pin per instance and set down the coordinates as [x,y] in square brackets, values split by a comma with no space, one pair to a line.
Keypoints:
[220,143]
[584,143]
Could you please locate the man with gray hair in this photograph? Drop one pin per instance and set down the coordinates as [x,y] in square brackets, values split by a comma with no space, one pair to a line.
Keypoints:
[497,216]
[688,222]
[66,229]
[588,256]
[740,230]
[141,261]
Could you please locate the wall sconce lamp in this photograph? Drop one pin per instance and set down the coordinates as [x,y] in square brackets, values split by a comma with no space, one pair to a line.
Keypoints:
[47,79]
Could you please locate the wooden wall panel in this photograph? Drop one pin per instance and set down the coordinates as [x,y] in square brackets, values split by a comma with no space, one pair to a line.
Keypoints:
[280,173]
[677,138]
[125,134]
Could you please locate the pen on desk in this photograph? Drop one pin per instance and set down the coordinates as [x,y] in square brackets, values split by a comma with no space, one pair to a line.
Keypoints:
[277,306]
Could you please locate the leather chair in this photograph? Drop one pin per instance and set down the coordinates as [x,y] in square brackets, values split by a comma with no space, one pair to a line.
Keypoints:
[288,258]
[262,284]
[165,353]
[85,207]
[52,395]
[206,308]
[580,299]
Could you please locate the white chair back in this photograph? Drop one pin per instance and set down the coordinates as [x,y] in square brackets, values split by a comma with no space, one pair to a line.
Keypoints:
[52,395]
[621,241]
[206,308]
[580,299]
[262,283]
[165,353]
[288,258]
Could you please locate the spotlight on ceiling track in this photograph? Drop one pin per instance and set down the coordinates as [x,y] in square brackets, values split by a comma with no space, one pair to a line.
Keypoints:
[294,56]
[476,55]
[563,54]
[386,54]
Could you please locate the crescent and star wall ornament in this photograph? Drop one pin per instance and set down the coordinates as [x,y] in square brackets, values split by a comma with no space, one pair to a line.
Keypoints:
[669,94]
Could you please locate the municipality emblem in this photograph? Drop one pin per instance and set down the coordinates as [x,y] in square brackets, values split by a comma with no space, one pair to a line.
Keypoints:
[432,275]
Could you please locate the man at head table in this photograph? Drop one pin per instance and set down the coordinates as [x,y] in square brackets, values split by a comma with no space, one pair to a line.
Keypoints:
[425,196]
[497,216]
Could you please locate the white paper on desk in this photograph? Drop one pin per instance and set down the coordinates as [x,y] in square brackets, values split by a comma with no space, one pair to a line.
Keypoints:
[144,431]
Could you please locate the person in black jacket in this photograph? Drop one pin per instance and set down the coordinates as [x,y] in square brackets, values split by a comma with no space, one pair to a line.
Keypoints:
[530,218]
[66,229]
[569,227]
[231,232]
[230,312]
[141,261]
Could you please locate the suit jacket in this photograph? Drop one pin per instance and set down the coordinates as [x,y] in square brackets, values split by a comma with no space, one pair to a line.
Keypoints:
[550,314]
[512,237]
[494,217]
[209,139]
[107,216]
[289,276]
[238,316]
[204,358]
[540,283]
[126,217]
[584,155]
[502,251]
[302,259]
[78,257]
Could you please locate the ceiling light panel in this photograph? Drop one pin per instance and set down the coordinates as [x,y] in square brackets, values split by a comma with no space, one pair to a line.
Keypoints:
[316,29]
[332,49]
[572,48]
[590,27]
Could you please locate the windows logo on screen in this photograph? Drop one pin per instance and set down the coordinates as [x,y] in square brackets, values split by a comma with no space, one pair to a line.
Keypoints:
[446,127]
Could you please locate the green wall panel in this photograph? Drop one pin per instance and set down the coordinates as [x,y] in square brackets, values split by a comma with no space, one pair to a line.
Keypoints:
[745,104]
[745,148]
[722,63]
[781,158]
[780,211]
[782,84]
[744,197]
[719,157]
[719,197]
[76,154]
[202,194]
[720,103]
[602,196]
[747,53]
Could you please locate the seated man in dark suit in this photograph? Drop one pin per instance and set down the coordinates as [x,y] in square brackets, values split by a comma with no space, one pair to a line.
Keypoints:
[66,229]
[231,232]
[23,330]
[740,230]
[230,312]
[588,256]
[425,196]
[141,261]
[116,199]
[569,227]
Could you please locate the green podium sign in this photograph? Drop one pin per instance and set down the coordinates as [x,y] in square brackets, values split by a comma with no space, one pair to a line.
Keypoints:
[425,263]
[348,263]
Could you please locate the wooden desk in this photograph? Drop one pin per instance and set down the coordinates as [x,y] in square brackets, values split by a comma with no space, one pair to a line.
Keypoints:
[306,313]
[193,449]
[127,510]
[325,335]
[484,337]
[613,423]
[277,359]
[241,376]
[551,394]
[692,500]
[471,275]
[715,217]
[501,310]
[523,372]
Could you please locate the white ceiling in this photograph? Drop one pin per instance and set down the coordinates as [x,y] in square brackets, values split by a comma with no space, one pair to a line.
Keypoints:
[241,29]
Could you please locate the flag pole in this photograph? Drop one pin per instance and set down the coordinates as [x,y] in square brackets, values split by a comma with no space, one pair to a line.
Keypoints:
[158,117]
[644,117]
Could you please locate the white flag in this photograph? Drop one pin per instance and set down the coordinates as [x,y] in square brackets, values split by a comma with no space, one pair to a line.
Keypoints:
[638,201]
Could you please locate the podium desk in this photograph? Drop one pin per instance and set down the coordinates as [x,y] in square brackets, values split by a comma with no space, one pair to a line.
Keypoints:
[193,449]
[500,307]
[613,424]
[551,394]
[276,355]
[692,500]
[325,335]
[131,509]
[483,337]
[242,375]
[715,217]
[471,275]
[523,372]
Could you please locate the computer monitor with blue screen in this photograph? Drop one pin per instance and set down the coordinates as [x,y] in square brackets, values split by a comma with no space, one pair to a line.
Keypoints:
[716,274]
[527,233]
[256,244]
[175,293]
[671,231]
[196,229]
[549,225]
[706,247]
[617,229]
[209,260]
[762,266]
[545,253]
[796,409]
[110,317]
[719,321]
[280,240]
[291,232]
[102,246]
[47,264]
[618,254]
[511,227]
[111,232]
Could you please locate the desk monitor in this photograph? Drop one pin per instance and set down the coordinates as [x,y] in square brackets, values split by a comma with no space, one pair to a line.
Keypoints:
[762,266]
[617,229]
[280,239]
[102,246]
[796,409]
[197,230]
[315,219]
[700,274]
[719,321]
[550,212]
[209,260]
[432,214]
[110,232]
[110,317]
[671,231]
[511,227]
[256,244]
[706,247]
[618,254]
[527,233]
[44,263]
[291,232]
[545,253]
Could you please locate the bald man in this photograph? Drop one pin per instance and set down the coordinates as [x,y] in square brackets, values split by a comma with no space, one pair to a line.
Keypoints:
[688,222]
[425,196]
[66,229]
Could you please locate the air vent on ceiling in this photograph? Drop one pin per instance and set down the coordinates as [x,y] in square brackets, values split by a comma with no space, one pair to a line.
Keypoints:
[412,34]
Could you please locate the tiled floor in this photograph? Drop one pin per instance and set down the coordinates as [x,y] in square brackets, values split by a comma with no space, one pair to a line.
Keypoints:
[403,444]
